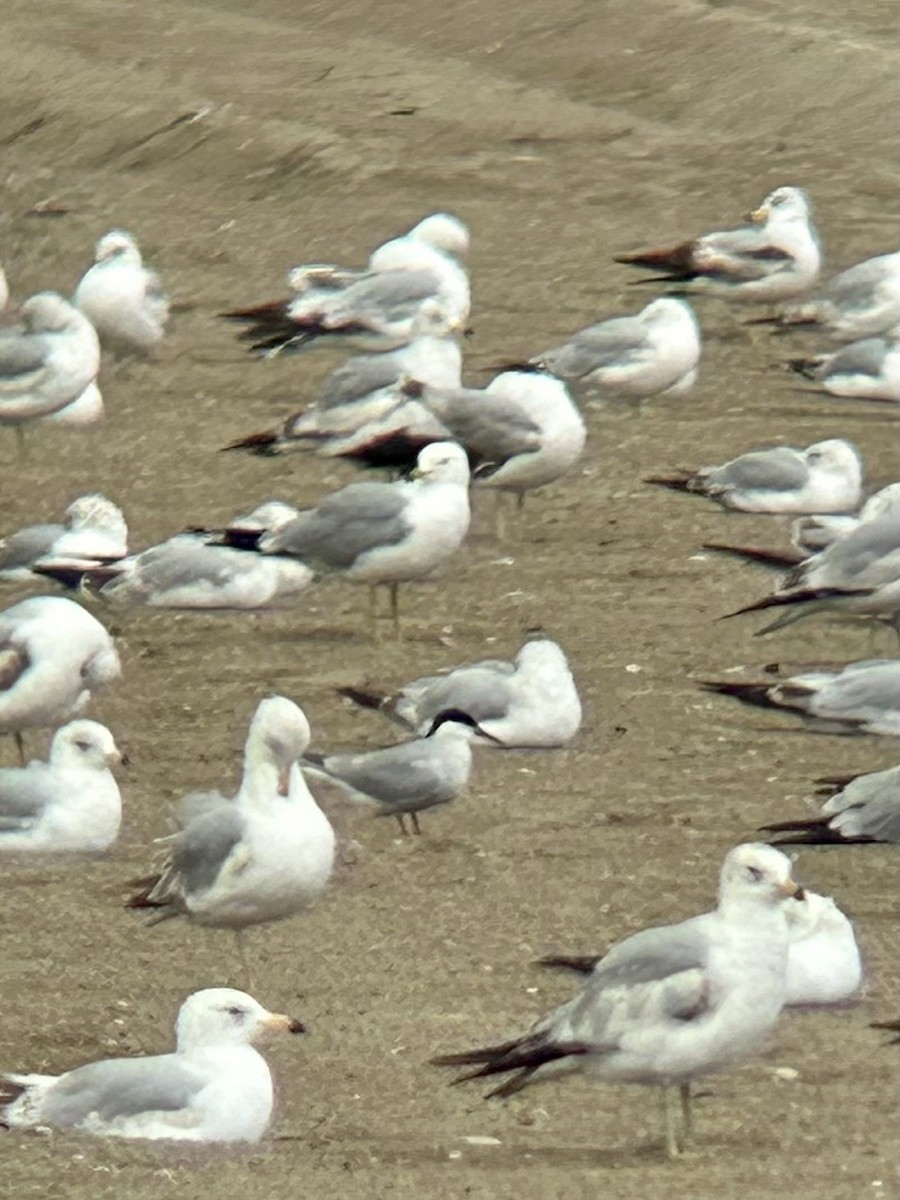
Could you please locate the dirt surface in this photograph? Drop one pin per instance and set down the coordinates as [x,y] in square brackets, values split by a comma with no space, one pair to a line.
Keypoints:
[562,134]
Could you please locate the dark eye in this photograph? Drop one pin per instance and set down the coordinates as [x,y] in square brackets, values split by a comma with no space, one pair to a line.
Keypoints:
[84,746]
[235,1012]
[755,874]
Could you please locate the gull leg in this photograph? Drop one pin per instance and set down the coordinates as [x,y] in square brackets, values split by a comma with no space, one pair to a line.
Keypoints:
[672,1147]
[395,607]
[402,824]
[245,967]
[415,823]
[373,610]
[687,1114]
[20,441]
[499,516]
[19,740]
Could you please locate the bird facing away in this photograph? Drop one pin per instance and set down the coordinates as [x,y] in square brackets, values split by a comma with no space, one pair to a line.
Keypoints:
[385,533]
[93,530]
[406,779]
[69,803]
[264,855]
[46,363]
[668,1011]
[655,352]
[865,808]
[531,702]
[123,299]
[861,302]
[53,656]
[862,697]
[776,258]
[214,1087]
[824,478]
[864,370]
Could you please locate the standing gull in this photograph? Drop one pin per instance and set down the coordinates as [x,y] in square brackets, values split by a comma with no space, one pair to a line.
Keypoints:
[863,697]
[408,778]
[53,656]
[47,362]
[214,1087]
[776,258]
[824,478]
[668,1011]
[70,803]
[385,533]
[123,299]
[865,808]
[529,703]
[263,855]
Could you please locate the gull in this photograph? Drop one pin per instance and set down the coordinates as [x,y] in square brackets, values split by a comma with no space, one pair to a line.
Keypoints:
[47,362]
[529,703]
[69,803]
[777,258]
[93,530]
[864,808]
[53,656]
[214,1087]
[826,477]
[864,370]
[862,697]
[813,533]
[378,307]
[520,433]
[823,966]
[861,302]
[85,411]
[408,778]
[858,574]
[655,352]
[385,533]
[123,299]
[669,1011]
[263,855]
[189,572]
[362,389]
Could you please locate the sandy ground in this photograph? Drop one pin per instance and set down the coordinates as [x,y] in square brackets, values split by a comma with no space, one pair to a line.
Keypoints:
[562,134]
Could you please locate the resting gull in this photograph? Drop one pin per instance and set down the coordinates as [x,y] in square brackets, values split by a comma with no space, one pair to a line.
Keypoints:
[861,302]
[667,1011]
[214,1087]
[864,370]
[93,530]
[824,478]
[865,808]
[123,299]
[69,803]
[777,258]
[531,702]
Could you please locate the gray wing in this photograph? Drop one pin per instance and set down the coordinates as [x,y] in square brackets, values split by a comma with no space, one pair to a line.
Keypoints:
[484,695]
[739,255]
[122,1087]
[26,546]
[777,470]
[354,520]
[869,806]
[203,846]
[861,693]
[358,378]
[385,296]
[399,777]
[851,290]
[180,562]
[616,341]
[24,794]
[859,358]
[21,355]
[867,557]
[491,428]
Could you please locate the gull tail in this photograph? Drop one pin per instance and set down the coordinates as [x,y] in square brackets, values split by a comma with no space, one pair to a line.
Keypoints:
[523,1056]
[265,443]
[676,261]
[364,699]
[676,483]
[581,964]
[814,831]
[266,312]
[781,560]
[807,367]
[748,693]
